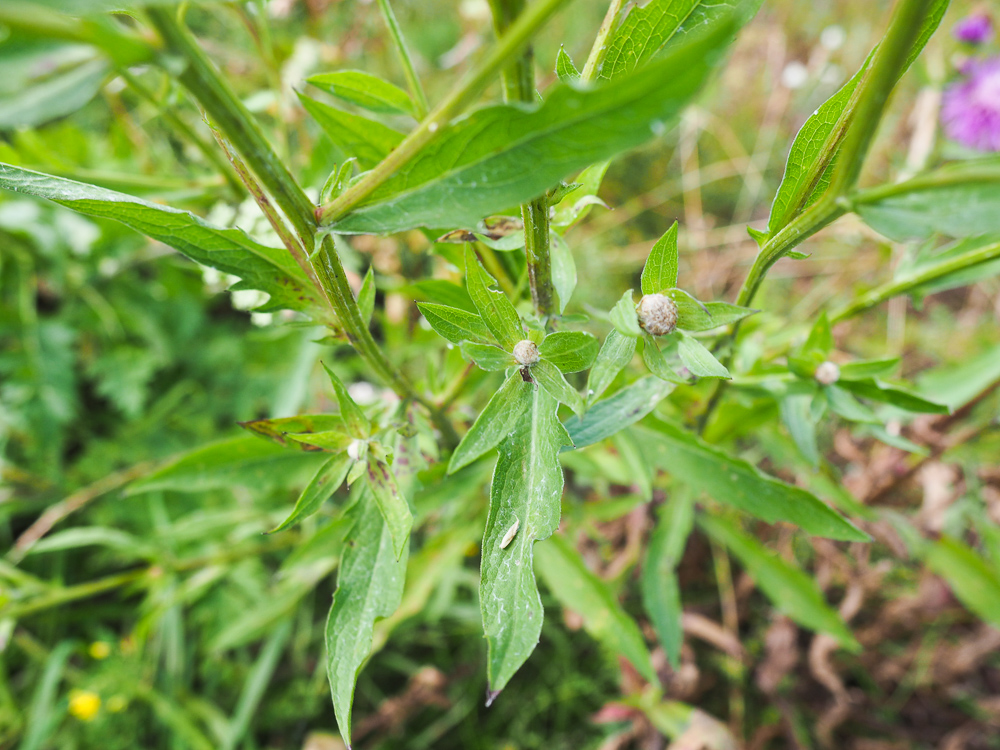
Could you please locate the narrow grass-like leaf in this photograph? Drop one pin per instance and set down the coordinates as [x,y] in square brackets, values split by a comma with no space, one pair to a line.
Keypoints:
[477,165]
[526,489]
[456,325]
[735,482]
[269,269]
[365,90]
[391,503]
[497,311]
[494,423]
[354,419]
[660,271]
[489,357]
[323,484]
[577,588]
[624,408]
[661,593]
[699,360]
[570,351]
[791,590]
[974,581]
[547,375]
[616,352]
[366,140]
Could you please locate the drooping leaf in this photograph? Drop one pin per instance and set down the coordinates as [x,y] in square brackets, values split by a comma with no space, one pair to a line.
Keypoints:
[735,482]
[497,311]
[660,271]
[269,269]
[324,483]
[570,351]
[577,588]
[547,375]
[494,423]
[354,419]
[366,140]
[456,325]
[489,357]
[699,360]
[624,408]
[791,590]
[527,490]
[902,398]
[242,461]
[696,316]
[616,352]
[477,167]
[391,503]
[565,69]
[367,91]
[563,270]
[661,595]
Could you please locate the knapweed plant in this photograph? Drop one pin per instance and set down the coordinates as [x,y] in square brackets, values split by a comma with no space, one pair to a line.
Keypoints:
[501,375]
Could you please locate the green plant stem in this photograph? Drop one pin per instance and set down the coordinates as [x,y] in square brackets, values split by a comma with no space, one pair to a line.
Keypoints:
[597,53]
[519,86]
[915,279]
[412,81]
[233,119]
[506,48]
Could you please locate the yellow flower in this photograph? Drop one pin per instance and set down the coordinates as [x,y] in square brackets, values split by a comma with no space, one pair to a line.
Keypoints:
[84,704]
[100,650]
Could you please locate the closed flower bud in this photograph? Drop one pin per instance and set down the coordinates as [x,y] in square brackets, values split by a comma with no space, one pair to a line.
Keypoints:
[657,314]
[525,352]
[827,373]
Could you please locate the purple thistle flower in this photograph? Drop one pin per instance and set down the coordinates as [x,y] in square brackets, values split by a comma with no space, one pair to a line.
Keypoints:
[970,109]
[974,29]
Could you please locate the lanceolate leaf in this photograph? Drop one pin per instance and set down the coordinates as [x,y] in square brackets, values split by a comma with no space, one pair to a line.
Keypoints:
[354,419]
[570,351]
[548,377]
[974,581]
[526,490]
[391,503]
[366,140]
[793,592]
[565,69]
[504,155]
[279,430]
[56,96]
[488,356]
[704,316]
[699,360]
[578,589]
[623,316]
[367,91]
[497,311]
[624,408]
[456,325]
[495,422]
[269,269]
[323,484]
[899,397]
[616,352]
[657,363]
[660,271]
[366,296]
[563,270]
[735,482]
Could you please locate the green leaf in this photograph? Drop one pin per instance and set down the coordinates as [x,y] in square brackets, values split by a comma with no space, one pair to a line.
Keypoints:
[547,375]
[661,595]
[957,384]
[489,357]
[624,408]
[570,351]
[366,296]
[456,325]
[278,429]
[844,404]
[616,352]
[820,339]
[355,420]
[369,587]
[439,291]
[657,363]
[660,271]
[956,201]
[269,269]
[699,360]
[56,96]
[478,164]
[958,264]
[497,311]
[366,140]
[563,270]
[975,583]
[735,482]
[244,461]
[796,413]
[791,590]
[367,91]
[494,423]
[624,318]
[578,589]
[565,69]
[324,483]
[696,316]
[328,440]
[868,368]
[898,397]
[391,503]
[527,490]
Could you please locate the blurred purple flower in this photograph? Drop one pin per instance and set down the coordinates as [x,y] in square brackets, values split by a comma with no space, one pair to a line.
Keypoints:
[974,29]
[970,110]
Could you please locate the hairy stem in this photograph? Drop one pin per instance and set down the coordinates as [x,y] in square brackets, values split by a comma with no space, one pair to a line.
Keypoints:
[412,82]
[506,48]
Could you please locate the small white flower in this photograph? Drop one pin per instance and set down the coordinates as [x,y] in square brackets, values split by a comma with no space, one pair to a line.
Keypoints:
[827,373]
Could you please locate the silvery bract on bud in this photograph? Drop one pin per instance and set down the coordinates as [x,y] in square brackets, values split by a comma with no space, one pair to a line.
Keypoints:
[657,314]
[525,352]
[827,373]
